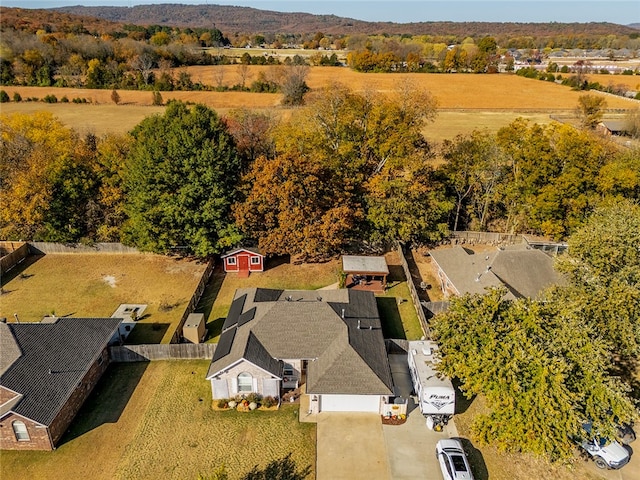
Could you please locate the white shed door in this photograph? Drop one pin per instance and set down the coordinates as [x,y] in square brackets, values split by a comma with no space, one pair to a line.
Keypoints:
[350,403]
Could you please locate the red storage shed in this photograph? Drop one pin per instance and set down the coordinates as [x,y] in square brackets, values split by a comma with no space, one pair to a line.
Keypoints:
[243,261]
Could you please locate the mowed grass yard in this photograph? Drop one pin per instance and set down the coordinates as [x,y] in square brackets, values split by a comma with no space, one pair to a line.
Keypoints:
[91,285]
[396,309]
[155,421]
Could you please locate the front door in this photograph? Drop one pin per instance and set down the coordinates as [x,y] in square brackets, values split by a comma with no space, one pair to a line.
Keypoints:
[243,263]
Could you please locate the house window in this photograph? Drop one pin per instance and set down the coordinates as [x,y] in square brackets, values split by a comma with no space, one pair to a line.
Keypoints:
[245,383]
[287,370]
[255,260]
[20,430]
[231,261]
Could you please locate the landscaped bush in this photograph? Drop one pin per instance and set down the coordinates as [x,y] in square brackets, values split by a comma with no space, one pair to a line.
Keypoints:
[4,96]
[17,97]
[64,99]
[222,403]
[50,99]
[269,402]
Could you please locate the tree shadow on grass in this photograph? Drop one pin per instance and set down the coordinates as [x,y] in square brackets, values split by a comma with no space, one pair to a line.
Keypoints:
[476,460]
[390,317]
[284,468]
[462,403]
[108,400]
[18,270]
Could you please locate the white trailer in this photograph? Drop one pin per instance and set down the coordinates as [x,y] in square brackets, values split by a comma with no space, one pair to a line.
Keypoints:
[435,392]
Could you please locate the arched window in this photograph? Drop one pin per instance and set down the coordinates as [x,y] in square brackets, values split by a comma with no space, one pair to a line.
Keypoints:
[20,430]
[245,383]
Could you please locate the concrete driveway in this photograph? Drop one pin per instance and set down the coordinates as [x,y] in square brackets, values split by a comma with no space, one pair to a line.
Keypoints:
[350,446]
[411,447]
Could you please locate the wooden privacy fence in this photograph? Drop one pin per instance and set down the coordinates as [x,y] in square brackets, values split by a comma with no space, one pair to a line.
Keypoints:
[40,248]
[485,238]
[414,293]
[12,254]
[173,351]
[434,308]
[193,303]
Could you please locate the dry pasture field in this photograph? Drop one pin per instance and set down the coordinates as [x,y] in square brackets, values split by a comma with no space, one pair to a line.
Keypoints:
[91,285]
[465,101]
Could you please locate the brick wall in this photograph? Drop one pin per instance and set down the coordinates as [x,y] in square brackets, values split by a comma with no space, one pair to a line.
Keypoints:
[38,435]
[66,415]
[42,438]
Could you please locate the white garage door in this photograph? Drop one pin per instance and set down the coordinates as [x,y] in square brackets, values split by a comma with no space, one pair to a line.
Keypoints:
[350,403]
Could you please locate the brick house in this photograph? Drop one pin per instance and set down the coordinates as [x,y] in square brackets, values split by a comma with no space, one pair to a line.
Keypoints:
[47,371]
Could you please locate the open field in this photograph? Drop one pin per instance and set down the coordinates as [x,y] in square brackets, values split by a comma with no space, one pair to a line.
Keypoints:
[631,81]
[463,99]
[89,285]
[154,421]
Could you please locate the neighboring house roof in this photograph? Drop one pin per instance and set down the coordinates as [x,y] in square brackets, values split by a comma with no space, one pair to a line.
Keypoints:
[467,273]
[361,264]
[614,125]
[253,251]
[524,271]
[339,331]
[9,349]
[54,359]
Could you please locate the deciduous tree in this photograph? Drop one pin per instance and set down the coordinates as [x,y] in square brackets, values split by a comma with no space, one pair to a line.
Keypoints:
[180,182]
[543,373]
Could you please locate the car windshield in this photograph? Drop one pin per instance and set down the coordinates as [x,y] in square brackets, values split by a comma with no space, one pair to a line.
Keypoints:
[602,442]
[458,463]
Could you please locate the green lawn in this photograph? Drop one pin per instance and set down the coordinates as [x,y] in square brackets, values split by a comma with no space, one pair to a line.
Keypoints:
[397,312]
[154,421]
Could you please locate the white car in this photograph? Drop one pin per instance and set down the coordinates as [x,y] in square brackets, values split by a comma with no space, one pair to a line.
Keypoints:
[453,461]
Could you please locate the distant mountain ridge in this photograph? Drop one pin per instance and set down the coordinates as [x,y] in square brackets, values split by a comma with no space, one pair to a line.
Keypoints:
[231,20]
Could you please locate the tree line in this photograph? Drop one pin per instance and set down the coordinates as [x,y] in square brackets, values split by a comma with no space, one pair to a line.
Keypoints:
[347,169]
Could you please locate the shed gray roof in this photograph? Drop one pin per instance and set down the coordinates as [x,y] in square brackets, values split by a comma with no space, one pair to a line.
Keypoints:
[346,350]
[54,358]
[359,264]
[524,271]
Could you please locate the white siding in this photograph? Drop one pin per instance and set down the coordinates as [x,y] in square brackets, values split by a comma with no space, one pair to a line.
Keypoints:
[270,387]
[219,388]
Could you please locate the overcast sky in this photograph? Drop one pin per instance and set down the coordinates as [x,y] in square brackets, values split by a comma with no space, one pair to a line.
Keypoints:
[621,12]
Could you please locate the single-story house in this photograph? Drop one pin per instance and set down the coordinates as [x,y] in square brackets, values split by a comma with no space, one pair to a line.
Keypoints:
[365,273]
[326,343]
[523,270]
[47,371]
[243,261]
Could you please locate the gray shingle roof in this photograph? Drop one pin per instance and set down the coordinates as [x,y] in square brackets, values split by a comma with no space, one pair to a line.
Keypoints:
[55,357]
[524,271]
[9,349]
[345,359]
[364,264]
